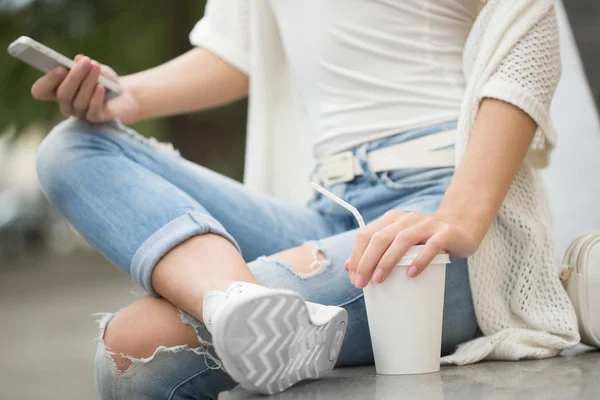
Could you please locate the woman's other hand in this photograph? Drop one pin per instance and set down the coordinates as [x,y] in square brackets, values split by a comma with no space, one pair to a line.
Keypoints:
[379,247]
[497,147]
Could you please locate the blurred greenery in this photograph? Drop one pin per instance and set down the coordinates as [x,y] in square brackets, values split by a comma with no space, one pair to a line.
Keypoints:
[129,36]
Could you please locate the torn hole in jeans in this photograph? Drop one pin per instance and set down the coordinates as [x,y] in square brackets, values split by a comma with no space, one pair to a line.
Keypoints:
[320,262]
[161,351]
[151,141]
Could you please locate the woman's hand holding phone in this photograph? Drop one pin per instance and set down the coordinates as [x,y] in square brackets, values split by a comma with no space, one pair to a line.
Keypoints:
[78,93]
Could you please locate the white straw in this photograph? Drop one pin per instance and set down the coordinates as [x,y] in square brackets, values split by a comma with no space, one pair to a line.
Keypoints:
[341,202]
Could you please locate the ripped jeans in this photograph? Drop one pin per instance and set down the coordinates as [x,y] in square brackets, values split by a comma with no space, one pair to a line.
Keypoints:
[134,200]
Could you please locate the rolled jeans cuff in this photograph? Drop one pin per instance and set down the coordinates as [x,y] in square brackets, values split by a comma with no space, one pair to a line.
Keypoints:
[166,238]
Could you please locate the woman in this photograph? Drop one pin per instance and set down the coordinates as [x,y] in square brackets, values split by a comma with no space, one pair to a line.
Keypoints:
[362,78]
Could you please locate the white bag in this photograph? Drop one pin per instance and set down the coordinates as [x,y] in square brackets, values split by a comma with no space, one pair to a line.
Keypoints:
[581,277]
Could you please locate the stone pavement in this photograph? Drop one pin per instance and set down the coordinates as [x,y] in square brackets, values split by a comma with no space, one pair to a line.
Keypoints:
[48,343]
[47,333]
[573,377]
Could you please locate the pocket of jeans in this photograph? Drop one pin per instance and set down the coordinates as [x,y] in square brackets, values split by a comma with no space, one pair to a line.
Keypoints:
[415,179]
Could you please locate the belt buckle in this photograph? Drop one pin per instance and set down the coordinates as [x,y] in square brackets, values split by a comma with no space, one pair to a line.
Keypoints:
[338,168]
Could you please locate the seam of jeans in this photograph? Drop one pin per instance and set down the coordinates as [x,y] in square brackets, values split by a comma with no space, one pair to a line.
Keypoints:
[176,388]
[358,297]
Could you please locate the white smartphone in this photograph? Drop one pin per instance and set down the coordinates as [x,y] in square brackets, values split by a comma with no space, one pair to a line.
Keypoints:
[45,59]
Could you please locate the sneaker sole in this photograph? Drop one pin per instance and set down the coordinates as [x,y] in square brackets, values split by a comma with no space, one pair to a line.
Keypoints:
[269,343]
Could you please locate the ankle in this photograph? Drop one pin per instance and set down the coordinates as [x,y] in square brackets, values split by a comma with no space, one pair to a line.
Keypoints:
[211,304]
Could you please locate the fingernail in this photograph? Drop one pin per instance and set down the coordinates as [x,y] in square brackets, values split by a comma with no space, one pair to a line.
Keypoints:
[61,72]
[378,276]
[360,282]
[412,272]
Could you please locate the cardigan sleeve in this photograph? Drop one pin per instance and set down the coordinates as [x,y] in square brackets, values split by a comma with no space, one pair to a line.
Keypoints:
[224,31]
[528,76]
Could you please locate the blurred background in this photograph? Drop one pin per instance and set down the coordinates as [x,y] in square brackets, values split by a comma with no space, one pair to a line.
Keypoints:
[51,281]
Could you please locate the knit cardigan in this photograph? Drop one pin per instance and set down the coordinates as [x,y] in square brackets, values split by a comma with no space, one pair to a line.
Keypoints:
[511,54]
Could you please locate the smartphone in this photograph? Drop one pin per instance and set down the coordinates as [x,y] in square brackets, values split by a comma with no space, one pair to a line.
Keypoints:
[45,59]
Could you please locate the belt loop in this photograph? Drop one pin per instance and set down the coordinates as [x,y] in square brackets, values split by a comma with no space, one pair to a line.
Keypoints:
[361,155]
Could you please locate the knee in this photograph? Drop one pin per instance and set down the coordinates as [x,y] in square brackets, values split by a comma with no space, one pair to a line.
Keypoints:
[63,152]
[148,351]
[140,329]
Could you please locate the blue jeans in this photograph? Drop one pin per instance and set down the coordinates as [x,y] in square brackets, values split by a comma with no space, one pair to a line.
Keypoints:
[134,200]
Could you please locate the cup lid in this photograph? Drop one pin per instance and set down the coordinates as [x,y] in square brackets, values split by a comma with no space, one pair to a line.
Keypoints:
[413,252]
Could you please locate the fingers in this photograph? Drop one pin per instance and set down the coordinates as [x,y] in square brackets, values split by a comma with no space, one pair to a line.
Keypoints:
[75,90]
[95,112]
[432,248]
[403,241]
[403,237]
[65,94]
[82,99]
[105,70]
[378,244]
[45,87]
[372,243]
[108,72]
[363,239]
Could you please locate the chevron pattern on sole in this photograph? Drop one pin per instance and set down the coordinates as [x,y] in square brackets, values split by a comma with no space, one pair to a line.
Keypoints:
[269,343]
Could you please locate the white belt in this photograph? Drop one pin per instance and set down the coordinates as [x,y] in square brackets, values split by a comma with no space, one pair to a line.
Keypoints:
[416,153]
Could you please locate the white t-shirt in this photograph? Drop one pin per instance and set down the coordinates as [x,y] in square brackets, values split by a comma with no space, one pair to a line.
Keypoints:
[367,69]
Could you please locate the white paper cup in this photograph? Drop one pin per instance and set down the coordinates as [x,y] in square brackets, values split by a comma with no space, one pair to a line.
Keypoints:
[405,317]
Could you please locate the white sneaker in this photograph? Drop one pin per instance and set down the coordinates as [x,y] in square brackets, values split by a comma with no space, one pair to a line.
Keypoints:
[270,339]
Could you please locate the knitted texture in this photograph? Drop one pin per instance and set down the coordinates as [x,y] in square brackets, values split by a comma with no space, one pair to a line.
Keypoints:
[511,54]
[534,64]
[521,307]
